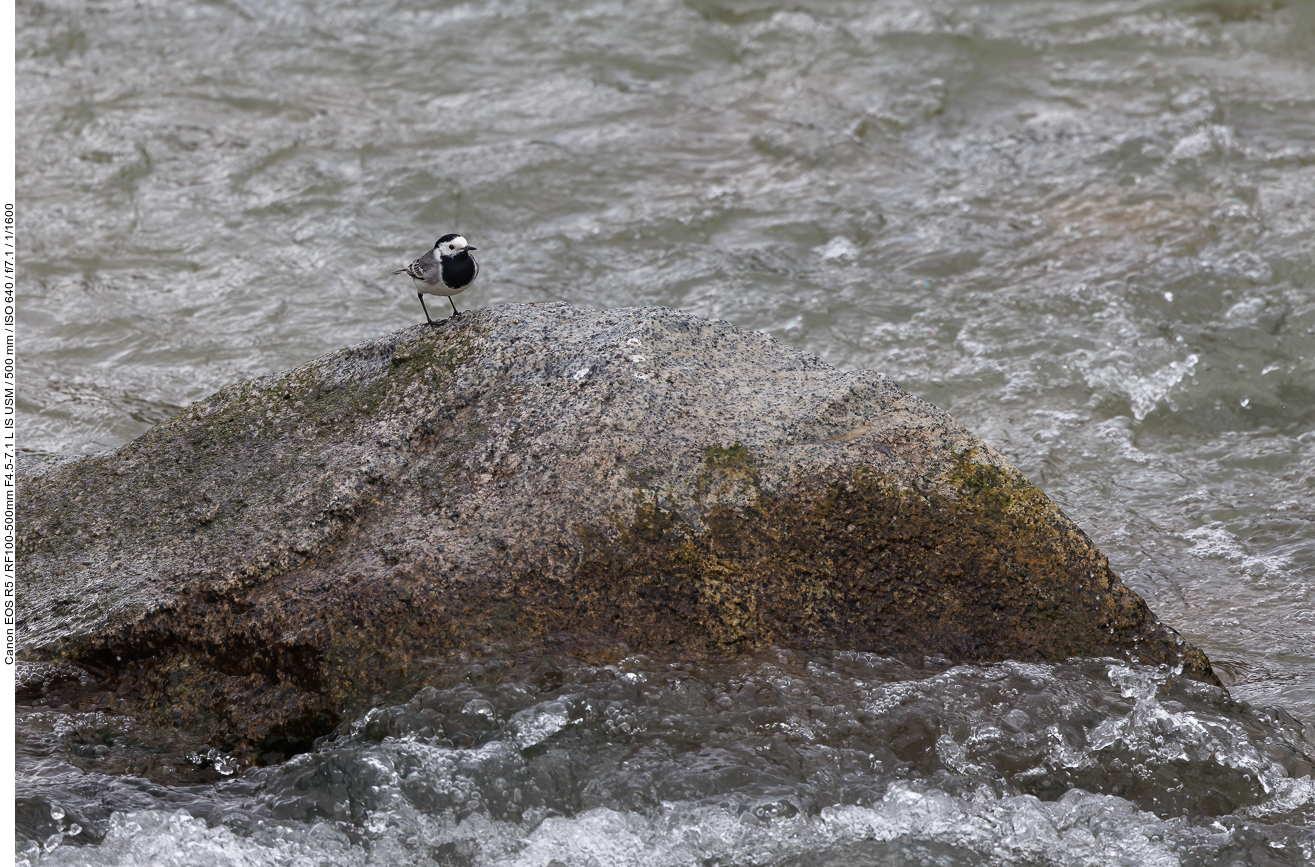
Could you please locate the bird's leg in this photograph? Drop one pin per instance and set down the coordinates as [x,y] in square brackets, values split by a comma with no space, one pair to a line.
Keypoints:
[454,307]
[421,296]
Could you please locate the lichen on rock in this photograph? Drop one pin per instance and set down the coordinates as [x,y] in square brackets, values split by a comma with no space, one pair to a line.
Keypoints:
[644,480]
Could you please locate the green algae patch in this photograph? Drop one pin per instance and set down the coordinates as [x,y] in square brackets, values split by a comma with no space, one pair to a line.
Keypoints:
[734,458]
[728,471]
[988,487]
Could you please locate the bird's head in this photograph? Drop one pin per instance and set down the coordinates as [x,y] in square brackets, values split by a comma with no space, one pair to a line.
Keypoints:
[451,244]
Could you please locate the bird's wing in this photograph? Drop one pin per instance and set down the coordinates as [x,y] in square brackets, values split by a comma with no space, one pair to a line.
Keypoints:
[418,268]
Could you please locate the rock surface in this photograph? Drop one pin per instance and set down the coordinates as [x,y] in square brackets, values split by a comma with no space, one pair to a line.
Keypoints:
[636,480]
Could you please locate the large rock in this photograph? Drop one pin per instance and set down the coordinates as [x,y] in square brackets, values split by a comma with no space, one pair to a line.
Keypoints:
[632,480]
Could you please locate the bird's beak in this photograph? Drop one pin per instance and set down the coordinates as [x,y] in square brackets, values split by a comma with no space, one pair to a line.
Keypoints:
[470,249]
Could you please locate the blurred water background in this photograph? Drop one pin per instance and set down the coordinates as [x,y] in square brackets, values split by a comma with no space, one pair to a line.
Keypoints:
[1086,228]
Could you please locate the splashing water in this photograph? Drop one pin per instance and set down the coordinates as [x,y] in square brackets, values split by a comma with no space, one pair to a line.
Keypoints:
[764,758]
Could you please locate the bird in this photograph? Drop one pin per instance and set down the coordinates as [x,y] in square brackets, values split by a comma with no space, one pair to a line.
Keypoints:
[448,269]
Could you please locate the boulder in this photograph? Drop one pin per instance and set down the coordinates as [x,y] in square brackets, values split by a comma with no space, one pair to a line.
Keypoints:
[294,548]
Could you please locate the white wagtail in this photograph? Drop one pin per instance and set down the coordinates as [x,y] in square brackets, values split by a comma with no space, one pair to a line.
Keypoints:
[448,269]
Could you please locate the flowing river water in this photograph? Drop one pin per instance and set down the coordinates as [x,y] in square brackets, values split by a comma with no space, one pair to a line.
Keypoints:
[1086,228]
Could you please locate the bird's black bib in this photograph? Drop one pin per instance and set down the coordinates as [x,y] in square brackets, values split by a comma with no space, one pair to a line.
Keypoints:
[459,270]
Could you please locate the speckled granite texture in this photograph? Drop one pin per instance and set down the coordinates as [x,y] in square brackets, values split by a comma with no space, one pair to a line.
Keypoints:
[635,480]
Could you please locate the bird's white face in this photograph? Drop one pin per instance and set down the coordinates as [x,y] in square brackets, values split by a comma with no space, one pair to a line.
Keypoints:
[451,248]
